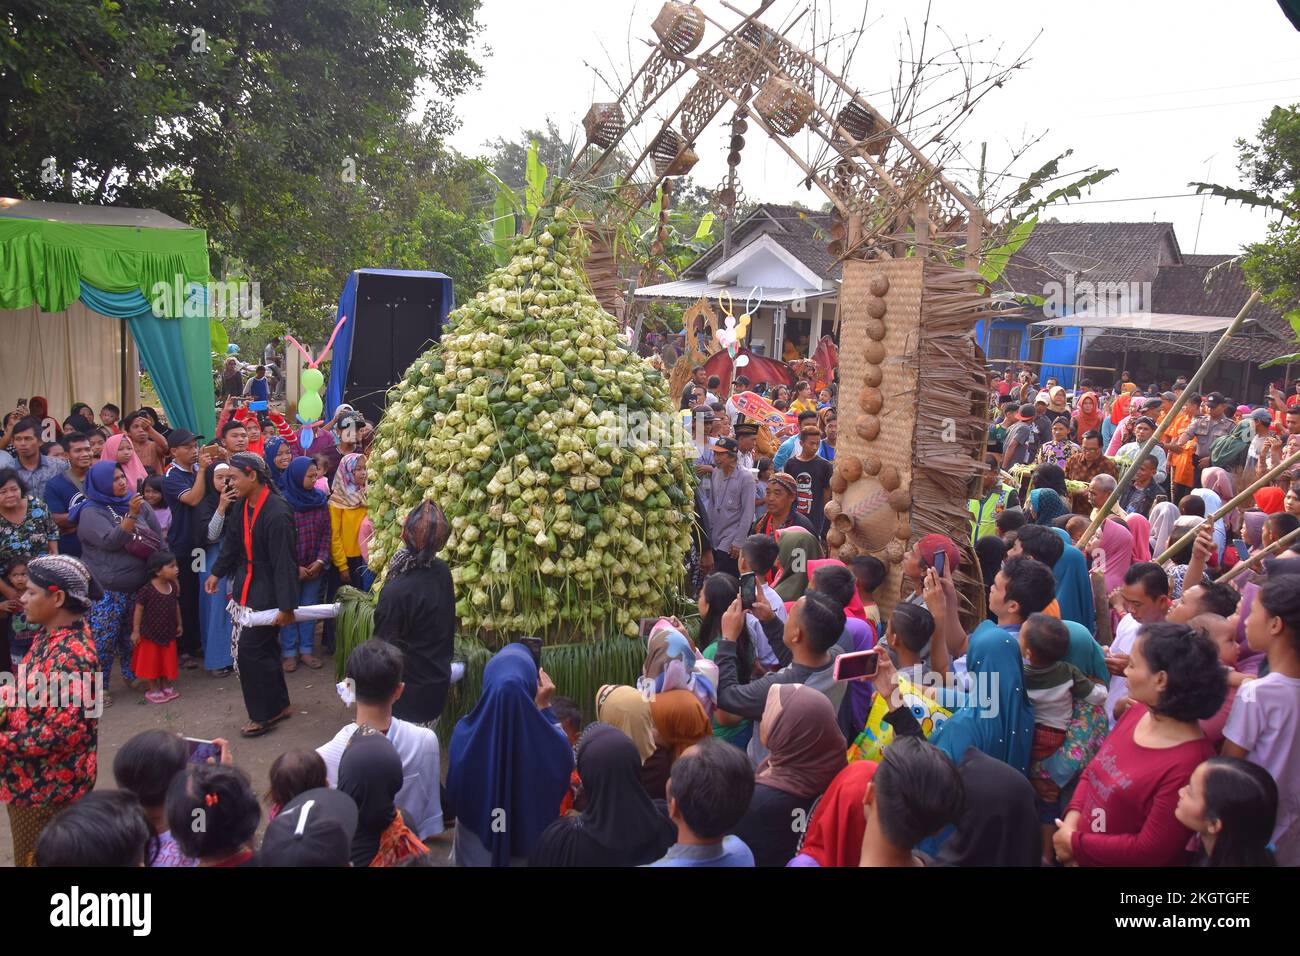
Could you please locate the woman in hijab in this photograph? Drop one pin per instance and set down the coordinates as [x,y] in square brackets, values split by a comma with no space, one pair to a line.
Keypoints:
[1252,530]
[508,756]
[1212,504]
[417,612]
[1085,653]
[119,450]
[1141,531]
[996,669]
[991,551]
[679,721]
[1088,416]
[837,826]
[797,548]
[1046,505]
[999,826]
[671,663]
[279,455]
[370,772]
[805,752]
[1162,521]
[297,481]
[81,419]
[112,517]
[1270,500]
[39,409]
[347,511]
[1219,481]
[1115,542]
[219,501]
[1073,588]
[621,825]
[626,709]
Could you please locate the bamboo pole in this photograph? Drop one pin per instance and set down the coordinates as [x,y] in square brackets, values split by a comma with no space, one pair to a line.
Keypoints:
[1281,544]
[1245,495]
[1192,386]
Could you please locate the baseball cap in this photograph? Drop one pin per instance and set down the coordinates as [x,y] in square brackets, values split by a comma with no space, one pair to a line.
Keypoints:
[1043,397]
[1027,412]
[1262,415]
[726,444]
[180,436]
[1169,396]
[314,829]
[1151,403]
[1215,398]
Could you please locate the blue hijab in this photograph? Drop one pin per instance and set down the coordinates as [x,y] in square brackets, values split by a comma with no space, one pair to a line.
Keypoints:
[300,498]
[995,667]
[1085,653]
[273,449]
[507,756]
[1047,505]
[1073,586]
[99,489]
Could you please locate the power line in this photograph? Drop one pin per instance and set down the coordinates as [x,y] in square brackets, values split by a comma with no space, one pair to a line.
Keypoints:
[1198,106]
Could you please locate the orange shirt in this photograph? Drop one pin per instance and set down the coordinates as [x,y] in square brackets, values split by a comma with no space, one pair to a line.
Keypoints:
[1182,464]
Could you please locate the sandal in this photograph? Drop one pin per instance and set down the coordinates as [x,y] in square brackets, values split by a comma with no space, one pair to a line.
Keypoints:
[313,662]
[282,715]
[254,729]
[290,664]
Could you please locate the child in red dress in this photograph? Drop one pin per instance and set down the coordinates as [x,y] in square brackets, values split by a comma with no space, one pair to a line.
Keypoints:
[157,625]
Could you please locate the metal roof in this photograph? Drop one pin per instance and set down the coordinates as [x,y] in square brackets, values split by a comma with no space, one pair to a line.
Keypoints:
[1143,321]
[88,215]
[688,290]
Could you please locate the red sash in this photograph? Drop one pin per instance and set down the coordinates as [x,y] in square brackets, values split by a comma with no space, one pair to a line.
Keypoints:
[248,541]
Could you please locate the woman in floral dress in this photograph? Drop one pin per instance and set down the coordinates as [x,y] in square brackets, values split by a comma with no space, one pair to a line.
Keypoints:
[48,740]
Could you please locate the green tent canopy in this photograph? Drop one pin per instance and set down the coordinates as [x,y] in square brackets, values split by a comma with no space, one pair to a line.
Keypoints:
[135,265]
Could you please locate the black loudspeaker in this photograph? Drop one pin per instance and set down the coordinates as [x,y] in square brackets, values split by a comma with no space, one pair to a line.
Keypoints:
[397,318]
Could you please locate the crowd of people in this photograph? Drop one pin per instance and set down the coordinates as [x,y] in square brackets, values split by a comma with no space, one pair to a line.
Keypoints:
[1110,681]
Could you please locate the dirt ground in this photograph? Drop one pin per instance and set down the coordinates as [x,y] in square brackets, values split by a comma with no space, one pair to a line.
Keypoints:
[211,707]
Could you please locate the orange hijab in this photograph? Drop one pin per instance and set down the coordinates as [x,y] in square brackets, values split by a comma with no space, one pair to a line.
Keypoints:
[680,720]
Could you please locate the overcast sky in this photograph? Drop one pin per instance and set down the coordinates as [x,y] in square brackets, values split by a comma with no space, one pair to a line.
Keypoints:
[1158,90]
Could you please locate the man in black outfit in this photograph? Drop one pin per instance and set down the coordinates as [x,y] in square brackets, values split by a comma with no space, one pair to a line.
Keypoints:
[259,553]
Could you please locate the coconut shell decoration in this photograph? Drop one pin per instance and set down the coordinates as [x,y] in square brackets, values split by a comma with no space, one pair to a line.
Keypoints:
[838,484]
[878,286]
[850,468]
[872,376]
[874,352]
[848,552]
[903,530]
[871,400]
[875,329]
[900,499]
[876,307]
[895,550]
[835,538]
[833,509]
[867,427]
[871,465]
[889,478]
[842,523]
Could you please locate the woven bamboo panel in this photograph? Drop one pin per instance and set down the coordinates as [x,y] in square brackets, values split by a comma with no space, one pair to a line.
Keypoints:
[867,498]
[911,383]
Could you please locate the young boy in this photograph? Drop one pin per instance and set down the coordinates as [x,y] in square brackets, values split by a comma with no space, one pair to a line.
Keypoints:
[1264,725]
[708,792]
[1053,685]
[758,554]
[17,632]
[1224,634]
[375,672]
[869,573]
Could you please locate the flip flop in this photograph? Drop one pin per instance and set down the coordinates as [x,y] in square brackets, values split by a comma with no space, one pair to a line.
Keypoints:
[254,729]
[282,715]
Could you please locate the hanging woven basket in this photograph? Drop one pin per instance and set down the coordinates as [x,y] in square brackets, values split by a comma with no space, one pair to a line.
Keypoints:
[784,106]
[863,129]
[671,153]
[680,28]
[604,124]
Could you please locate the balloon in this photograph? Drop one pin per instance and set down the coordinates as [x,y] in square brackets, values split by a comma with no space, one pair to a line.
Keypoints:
[310,406]
[305,438]
[232,349]
[312,380]
[742,361]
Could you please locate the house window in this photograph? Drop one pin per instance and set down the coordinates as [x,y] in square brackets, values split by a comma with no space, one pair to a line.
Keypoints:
[1004,344]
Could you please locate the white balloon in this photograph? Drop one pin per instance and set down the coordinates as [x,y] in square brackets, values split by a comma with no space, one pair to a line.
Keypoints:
[742,361]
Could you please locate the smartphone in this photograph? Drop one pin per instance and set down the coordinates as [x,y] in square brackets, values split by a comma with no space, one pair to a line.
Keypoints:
[857,665]
[1243,550]
[534,645]
[258,406]
[940,559]
[748,590]
[201,750]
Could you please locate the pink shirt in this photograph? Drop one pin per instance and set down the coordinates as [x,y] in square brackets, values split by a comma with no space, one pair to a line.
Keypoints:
[1127,796]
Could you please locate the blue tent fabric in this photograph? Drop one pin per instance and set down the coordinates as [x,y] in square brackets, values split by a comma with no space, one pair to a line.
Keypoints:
[170,349]
[342,351]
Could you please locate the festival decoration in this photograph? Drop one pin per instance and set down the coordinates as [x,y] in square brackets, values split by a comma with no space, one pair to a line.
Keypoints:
[311,405]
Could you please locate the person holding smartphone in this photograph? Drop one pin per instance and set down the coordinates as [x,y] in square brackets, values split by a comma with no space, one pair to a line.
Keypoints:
[210,515]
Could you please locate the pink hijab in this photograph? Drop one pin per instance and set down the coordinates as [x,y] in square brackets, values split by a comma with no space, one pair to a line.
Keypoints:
[855,608]
[133,469]
[1220,482]
[1117,550]
[1141,531]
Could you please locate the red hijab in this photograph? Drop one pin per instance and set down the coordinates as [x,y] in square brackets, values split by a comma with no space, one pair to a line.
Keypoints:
[1119,411]
[1270,500]
[1089,420]
[838,825]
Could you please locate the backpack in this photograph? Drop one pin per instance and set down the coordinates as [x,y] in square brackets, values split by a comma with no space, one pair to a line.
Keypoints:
[1230,450]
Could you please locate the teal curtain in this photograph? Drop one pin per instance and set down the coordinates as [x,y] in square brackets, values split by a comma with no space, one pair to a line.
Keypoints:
[176,351]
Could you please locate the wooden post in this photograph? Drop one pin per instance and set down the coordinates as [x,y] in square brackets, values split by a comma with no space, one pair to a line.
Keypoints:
[1281,544]
[1192,386]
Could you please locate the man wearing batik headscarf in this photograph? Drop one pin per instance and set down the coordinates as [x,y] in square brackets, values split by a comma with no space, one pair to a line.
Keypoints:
[259,553]
[417,613]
